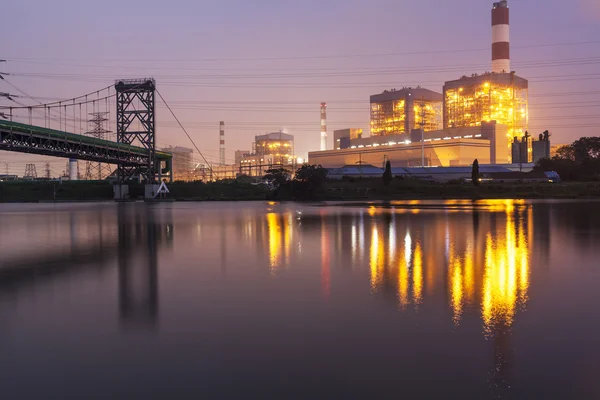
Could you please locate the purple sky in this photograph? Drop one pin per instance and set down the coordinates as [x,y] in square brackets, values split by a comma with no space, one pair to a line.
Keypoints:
[270,49]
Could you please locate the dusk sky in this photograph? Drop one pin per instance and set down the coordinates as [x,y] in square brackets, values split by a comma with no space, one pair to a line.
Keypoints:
[265,65]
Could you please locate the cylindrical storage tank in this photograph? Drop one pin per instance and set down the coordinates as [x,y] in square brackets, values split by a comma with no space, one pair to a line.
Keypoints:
[500,38]
[73,169]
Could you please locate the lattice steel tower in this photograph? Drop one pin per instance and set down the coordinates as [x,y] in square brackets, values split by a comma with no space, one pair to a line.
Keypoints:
[135,125]
[30,171]
[96,170]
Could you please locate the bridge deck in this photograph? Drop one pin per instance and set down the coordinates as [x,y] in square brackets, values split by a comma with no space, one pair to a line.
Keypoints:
[25,138]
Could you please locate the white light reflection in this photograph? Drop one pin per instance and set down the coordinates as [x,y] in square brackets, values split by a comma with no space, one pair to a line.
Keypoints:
[407,249]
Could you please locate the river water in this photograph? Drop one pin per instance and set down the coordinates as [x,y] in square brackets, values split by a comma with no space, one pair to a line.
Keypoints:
[494,299]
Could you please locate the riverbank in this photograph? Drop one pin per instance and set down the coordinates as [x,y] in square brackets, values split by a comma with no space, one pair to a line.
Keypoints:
[366,189]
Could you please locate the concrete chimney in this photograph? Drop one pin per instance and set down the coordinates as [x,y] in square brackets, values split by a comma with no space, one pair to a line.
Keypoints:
[323,126]
[222,143]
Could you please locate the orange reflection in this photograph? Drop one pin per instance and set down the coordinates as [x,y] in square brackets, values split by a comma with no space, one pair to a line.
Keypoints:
[457,293]
[287,236]
[376,259]
[506,275]
[274,227]
[418,275]
[403,276]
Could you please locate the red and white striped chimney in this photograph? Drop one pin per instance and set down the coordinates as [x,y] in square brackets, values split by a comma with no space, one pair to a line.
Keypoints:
[500,38]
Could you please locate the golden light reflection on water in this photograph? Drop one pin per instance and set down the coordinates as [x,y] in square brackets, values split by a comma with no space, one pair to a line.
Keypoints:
[478,258]
[280,236]
[492,271]
[506,274]
[376,259]
[418,275]
[456,283]
[275,237]
[403,278]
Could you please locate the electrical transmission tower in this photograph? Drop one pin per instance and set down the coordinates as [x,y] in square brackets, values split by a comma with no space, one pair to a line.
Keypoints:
[96,170]
[30,172]
[48,172]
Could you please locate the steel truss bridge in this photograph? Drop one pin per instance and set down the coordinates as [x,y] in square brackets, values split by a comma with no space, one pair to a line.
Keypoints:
[134,151]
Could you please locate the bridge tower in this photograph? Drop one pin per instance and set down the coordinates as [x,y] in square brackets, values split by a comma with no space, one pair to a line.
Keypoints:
[136,126]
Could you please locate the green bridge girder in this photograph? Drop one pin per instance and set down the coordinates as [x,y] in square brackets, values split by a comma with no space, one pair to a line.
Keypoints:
[18,137]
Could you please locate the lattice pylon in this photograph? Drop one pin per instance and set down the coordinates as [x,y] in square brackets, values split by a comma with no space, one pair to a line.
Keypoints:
[96,170]
[30,171]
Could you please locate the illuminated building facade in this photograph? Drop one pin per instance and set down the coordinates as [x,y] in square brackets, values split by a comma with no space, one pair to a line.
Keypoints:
[343,136]
[441,148]
[272,150]
[395,112]
[500,97]
[276,148]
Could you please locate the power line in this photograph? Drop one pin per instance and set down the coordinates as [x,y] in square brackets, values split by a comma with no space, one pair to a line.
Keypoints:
[185,131]
[370,55]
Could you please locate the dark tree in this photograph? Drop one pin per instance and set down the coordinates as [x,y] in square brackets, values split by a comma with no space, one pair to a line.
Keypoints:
[277,176]
[475,173]
[579,161]
[309,181]
[387,174]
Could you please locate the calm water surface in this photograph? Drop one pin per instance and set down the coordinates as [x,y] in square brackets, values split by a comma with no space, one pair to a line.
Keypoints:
[496,299]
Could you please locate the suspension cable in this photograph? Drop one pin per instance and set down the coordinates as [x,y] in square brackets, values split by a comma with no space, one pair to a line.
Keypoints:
[186,133]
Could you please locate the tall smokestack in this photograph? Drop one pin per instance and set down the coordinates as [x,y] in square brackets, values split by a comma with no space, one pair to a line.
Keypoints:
[500,38]
[323,126]
[222,142]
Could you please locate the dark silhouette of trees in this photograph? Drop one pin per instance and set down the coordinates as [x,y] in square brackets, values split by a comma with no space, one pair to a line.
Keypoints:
[277,177]
[579,161]
[475,173]
[387,174]
[309,182]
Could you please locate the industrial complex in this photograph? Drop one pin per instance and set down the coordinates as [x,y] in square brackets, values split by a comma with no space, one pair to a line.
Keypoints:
[480,116]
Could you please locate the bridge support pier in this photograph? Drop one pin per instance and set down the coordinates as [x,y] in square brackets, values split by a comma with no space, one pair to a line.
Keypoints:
[120,192]
[150,191]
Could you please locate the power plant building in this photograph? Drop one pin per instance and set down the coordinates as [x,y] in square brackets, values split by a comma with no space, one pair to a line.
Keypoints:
[394,112]
[271,150]
[500,97]
[477,116]
[342,137]
[442,148]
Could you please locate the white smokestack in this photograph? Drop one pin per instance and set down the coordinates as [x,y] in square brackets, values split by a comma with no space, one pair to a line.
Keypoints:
[222,143]
[323,126]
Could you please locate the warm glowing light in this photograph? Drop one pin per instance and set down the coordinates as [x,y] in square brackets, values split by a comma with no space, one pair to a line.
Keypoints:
[376,259]
[506,276]
[403,276]
[274,227]
[418,275]
[469,106]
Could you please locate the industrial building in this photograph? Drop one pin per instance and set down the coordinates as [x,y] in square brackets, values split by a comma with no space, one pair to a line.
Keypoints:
[500,97]
[443,148]
[271,150]
[183,163]
[477,116]
[394,112]
[341,136]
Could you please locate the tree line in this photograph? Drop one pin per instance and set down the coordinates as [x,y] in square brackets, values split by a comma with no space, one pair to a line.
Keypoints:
[579,161]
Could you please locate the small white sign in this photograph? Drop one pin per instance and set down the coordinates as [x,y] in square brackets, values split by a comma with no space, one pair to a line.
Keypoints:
[162,189]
